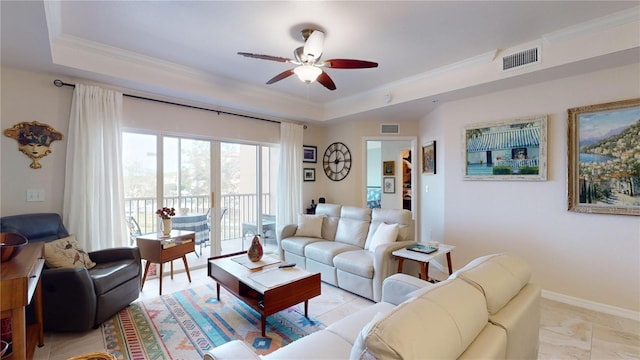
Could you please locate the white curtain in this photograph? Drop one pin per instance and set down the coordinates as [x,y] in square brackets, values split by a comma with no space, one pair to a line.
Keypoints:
[93,208]
[289,200]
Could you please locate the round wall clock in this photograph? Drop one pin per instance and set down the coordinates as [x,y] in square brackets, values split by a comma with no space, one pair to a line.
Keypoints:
[337,161]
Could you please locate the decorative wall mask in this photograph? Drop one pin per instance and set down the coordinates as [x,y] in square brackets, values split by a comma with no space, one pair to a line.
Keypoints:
[34,139]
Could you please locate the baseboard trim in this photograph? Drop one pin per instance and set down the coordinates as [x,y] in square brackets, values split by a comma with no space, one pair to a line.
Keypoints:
[591,305]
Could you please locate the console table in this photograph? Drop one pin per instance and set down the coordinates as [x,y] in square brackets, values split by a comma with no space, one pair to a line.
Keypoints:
[20,285]
[158,249]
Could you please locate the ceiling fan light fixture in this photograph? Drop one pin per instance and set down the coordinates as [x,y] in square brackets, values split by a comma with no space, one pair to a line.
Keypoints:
[307,73]
[314,44]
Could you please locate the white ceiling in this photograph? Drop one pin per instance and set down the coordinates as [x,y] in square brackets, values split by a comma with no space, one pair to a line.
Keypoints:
[187,50]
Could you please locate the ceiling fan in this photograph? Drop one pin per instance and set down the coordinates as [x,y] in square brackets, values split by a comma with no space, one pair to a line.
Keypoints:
[310,66]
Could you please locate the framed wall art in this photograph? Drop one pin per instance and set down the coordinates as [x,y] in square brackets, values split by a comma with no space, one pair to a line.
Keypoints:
[309,174]
[309,154]
[389,168]
[389,185]
[506,150]
[604,158]
[429,158]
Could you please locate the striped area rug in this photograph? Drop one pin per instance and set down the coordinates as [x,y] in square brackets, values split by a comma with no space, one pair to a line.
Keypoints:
[185,324]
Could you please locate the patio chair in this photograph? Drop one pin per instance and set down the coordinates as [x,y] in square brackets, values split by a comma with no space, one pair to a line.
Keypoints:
[134,230]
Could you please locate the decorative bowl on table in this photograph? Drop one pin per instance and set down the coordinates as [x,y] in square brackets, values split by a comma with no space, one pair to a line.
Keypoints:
[10,245]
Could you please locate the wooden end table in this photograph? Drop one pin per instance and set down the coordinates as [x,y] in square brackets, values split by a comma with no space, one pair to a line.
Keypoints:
[267,290]
[424,259]
[159,249]
[21,285]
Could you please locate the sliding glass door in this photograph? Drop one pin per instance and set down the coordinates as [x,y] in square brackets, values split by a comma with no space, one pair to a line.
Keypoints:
[247,197]
[179,172]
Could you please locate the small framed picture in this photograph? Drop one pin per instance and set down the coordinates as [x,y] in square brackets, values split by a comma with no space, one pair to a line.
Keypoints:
[429,158]
[309,154]
[309,174]
[388,168]
[389,185]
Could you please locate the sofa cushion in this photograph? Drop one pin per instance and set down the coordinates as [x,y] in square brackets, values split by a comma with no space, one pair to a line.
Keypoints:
[35,227]
[66,252]
[391,216]
[385,233]
[359,262]
[296,244]
[444,320]
[353,225]
[319,345]
[324,251]
[331,213]
[500,277]
[107,276]
[309,225]
[349,327]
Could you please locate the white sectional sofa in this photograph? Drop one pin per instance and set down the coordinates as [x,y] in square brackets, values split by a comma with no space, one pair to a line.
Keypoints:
[486,310]
[340,249]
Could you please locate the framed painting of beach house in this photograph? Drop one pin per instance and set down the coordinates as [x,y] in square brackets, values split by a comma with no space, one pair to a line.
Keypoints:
[604,158]
[506,150]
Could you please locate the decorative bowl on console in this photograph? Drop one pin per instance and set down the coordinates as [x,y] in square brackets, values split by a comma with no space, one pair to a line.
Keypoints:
[10,245]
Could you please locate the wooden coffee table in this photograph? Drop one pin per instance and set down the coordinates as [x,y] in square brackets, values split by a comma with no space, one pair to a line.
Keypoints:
[267,290]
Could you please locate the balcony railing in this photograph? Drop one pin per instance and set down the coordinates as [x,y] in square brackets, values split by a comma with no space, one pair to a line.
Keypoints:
[240,208]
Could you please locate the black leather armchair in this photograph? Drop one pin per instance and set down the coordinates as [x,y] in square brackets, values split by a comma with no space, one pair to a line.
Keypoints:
[77,299]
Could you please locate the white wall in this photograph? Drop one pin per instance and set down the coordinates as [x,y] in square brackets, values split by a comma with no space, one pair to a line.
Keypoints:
[350,191]
[587,256]
[30,97]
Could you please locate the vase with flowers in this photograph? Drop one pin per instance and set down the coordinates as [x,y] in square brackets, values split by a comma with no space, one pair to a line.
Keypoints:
[165,214]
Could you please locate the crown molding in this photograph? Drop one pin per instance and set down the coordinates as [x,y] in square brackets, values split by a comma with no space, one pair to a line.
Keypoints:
[594,26]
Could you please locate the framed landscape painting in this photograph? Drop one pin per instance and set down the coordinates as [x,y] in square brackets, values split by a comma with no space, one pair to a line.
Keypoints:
[604,158]
[506,150]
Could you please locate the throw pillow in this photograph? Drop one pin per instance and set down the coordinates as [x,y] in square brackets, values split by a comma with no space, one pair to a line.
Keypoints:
[310,225]
[384,234]
[66,252]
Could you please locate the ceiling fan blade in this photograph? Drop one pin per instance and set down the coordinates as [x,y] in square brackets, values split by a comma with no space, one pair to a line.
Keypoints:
[326,81]
[265,57]
[349,64]
[283,75]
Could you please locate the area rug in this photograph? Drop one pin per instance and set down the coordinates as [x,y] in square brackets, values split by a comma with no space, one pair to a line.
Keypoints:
[186,324]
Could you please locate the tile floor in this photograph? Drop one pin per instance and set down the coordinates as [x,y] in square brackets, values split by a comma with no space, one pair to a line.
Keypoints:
[566,332]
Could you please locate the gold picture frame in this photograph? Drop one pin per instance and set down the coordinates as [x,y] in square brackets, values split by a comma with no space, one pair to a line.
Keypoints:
[604,158]
[388,168]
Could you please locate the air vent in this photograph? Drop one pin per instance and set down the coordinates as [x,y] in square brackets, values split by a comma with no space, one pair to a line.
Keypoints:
[389,129]
[521,59]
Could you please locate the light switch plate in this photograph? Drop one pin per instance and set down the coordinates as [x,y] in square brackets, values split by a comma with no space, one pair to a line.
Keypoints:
[35,195]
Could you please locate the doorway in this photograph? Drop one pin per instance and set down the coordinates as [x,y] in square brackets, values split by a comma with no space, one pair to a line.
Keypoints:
[400,151]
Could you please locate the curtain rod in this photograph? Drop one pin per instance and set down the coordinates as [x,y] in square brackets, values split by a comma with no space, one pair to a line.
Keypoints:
[60,83]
